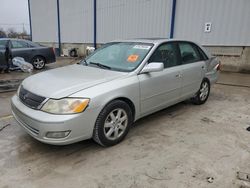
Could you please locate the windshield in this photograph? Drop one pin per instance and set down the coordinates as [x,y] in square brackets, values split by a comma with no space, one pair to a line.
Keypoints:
[120,56]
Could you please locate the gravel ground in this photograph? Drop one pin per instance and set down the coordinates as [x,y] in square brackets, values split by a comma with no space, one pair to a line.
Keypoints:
[180,146]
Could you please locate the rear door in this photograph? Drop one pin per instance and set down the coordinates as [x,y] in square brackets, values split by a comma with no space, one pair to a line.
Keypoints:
[193,69]
[161,89]
[21,49]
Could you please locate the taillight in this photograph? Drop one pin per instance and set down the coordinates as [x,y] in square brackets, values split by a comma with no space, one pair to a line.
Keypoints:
[217,67]
[54,51]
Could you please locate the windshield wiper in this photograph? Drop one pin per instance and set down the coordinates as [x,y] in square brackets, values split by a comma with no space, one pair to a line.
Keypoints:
[100,65]
[84,61]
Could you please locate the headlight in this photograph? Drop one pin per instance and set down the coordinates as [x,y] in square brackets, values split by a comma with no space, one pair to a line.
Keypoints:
[65,106]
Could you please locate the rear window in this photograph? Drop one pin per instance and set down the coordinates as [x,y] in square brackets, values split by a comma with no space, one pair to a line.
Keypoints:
[32,44]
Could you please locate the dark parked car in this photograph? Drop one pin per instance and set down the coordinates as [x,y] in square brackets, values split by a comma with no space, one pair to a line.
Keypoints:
[33,53]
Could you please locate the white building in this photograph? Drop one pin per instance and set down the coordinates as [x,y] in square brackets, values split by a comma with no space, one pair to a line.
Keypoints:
[223,26]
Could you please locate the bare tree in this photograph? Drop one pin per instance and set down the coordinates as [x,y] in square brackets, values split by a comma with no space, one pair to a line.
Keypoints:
[23,33]
[2,33]
[12,33]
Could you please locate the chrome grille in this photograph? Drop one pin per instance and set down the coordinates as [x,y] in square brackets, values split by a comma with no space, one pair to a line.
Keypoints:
[30,99]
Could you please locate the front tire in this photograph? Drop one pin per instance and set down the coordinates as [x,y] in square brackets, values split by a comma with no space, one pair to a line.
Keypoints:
[203,93]
[113,123]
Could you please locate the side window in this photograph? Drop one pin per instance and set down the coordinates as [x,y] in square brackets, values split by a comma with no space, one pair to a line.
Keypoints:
[167,54]
[189,53]
[3,44]
[202,53]
[19,44]
[31,45]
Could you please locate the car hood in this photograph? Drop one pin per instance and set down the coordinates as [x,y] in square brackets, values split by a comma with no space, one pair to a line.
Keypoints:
[62,82]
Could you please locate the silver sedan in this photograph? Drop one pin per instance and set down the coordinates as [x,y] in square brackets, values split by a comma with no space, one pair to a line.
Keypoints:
[119,83]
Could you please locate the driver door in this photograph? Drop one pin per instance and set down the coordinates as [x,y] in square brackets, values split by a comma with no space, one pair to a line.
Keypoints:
[161,89]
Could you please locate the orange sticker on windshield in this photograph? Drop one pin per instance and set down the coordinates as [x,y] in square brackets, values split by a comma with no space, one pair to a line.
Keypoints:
[132,58]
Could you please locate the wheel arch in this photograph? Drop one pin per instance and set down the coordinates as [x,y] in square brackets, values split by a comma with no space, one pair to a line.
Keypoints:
[38,55]
[128,101]
[206,79]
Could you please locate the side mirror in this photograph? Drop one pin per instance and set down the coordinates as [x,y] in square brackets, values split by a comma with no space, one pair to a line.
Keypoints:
[153,67]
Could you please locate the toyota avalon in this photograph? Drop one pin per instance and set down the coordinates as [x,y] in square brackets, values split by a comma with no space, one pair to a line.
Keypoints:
[104,94]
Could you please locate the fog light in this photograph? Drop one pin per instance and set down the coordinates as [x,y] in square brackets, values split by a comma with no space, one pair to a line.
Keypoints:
[60,134]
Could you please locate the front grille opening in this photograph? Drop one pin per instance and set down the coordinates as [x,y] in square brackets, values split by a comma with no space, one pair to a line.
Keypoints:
[30,99]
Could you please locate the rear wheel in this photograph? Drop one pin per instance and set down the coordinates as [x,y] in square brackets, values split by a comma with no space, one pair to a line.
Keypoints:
[203,93]
[112,124]
[38,62]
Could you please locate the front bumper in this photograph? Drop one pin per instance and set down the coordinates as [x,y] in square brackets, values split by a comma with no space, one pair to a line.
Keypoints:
[37,123]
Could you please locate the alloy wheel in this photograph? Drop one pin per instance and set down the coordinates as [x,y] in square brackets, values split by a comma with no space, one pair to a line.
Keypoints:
[115,124]
[38,63]
[204,90]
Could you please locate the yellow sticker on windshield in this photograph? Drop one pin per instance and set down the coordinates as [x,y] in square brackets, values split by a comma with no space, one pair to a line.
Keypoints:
[132,58]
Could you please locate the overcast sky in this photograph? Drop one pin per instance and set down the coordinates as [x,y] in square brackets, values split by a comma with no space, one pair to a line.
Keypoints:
[13,14]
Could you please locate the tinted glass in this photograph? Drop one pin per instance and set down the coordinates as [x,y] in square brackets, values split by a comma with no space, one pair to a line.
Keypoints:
[3,44]
[19,44]
[32,44]
[202,53]
[189,53]
[121,56]
[167,54]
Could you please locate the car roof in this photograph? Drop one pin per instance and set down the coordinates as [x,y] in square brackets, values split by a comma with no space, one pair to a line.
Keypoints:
[151,40]
[12,39]
[157,41]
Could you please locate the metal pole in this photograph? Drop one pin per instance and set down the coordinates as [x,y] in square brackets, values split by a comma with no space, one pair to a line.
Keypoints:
[59,27]
[95,24]
[172,18]
[30,20]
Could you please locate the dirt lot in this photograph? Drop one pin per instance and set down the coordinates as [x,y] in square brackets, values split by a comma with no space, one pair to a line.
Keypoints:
[181,146]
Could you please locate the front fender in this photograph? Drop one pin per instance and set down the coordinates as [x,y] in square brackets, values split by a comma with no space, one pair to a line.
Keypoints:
[100,95]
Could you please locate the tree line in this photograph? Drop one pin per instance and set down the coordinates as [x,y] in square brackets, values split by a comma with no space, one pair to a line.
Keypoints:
[12,33]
